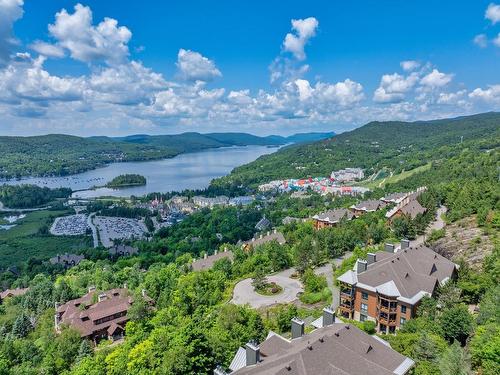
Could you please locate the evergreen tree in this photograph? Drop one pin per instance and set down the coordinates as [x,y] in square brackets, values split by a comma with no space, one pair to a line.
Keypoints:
[455,361]
[85,350]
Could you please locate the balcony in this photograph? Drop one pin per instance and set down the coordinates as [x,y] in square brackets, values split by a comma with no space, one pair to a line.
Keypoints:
[387,309]
[346,294]
[386,321]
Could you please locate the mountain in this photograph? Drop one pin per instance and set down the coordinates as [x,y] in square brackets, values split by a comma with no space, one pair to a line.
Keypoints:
[393,145]
[58,154]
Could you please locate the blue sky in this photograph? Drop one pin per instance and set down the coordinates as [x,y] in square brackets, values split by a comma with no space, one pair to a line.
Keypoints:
[167,67]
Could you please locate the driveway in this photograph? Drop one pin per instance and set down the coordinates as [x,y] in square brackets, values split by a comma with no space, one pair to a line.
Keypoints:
[244,292]
[437,224]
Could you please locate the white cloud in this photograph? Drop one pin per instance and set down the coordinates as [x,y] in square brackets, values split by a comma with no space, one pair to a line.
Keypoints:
[493,13]
[88,43]
[409,65]
[47,49]
[195,67]
[496,41]
[304,29]
[481,40]
[452,98]
[10,11]
[436,79]
[489,95]
[393,87]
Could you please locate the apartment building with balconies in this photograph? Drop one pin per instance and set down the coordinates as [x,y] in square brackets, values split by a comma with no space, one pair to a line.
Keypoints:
[388,286]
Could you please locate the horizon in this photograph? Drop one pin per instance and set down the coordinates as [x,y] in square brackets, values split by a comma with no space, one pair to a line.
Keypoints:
[97,68]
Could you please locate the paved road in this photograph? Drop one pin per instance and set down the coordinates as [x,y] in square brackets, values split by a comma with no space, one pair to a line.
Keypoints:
[5,209]
[244,292]
[437,224]
[94,229]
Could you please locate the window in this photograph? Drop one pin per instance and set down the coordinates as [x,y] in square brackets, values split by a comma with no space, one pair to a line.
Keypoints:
[364,295]
[364,307]
[402,321]
[403,309]
[362,318]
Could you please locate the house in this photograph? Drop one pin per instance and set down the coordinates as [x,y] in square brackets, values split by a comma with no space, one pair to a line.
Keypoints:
[371,205]
[334,348]
[262,239]
[9,293]
[263,224]
[66,260]
[104,318]
[388,286]
[408,206]
[331,218]
[208,261]
[122,251]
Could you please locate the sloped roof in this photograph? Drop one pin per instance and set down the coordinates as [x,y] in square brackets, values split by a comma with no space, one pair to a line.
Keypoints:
[273,236]
[338,349]
[369,205]
[208,262]
[13,292]
[334,216]
[413,208]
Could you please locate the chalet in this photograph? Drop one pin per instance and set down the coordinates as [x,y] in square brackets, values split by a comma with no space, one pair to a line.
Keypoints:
[262,239]
[332,217]
[394,198]
[407,206]
[208,261]
[9,293]
[334,348]
[104,318]
[66,260]
[367,206]
[388,286]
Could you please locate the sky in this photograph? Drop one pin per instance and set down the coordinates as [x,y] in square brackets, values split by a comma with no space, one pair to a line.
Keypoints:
[262,67]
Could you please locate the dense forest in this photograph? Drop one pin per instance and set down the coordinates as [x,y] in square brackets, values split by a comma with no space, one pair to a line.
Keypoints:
[397,146]
[61,155]
[29,196]
[127,180]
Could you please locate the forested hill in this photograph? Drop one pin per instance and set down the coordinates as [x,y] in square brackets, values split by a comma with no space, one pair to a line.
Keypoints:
[393,145]
[58,154]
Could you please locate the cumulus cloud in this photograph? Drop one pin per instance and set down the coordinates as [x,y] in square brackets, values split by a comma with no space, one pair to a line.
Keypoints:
[493,13]
[393,87]
[304,30]
[10,11]
[409,65]
[436,79]
[88,43]
[47,49]
[195,67]
[481,40]
[489,95]
[496,41]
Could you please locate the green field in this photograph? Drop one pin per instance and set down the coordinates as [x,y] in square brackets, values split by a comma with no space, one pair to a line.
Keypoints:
[24,240]
[381,182]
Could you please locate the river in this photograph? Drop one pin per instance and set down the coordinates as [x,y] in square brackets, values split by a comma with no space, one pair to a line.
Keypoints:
[186,171]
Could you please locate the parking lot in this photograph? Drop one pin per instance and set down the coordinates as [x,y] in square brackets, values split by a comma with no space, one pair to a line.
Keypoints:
[74,225]
[112,228]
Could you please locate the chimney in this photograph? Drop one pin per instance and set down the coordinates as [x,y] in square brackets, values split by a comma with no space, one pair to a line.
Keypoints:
[260,236]
[328,316]
[297,328]
[268,233]
[405,244]
[91,288]
[252,353]
[225,249]
[274,230]
[371,258]
[205,256]
[219,371]
[215,252]
[143,292]
[361,265]
[389,247]
[125,285]
[102,297]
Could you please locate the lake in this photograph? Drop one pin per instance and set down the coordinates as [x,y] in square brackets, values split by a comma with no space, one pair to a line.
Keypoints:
[186,171]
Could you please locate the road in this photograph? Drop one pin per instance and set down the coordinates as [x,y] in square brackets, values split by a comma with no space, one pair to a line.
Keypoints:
[5,209]
[437,224]
[94,229]
[244,292]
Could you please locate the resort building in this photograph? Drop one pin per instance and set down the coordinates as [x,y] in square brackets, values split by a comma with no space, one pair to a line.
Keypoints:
[97,316]
[388,286]
[348,174]
[332,217]
[208,261]
[9,293]
[367,206]
[334,348]
[67,260]
[264,238]
[202,202]
[407,206]
[122,251]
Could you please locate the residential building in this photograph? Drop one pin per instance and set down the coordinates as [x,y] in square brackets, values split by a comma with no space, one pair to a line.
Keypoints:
[221,200]
[264,238]
[408,206]
[208,261]
[122,251]
[348,174]
[388,287]
[331,218]
[334,348]
[394,198]
[97,320]
[9,293]
[67,260]
[363,207]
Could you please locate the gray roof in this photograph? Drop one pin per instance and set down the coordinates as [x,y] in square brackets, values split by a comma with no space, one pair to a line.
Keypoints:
[413,208]
[67,259]
[334,216]
[408,274]
[123,250]
[272,236]
[369,205]
[262,224]
[208,262]
[338,349]
[394,197]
